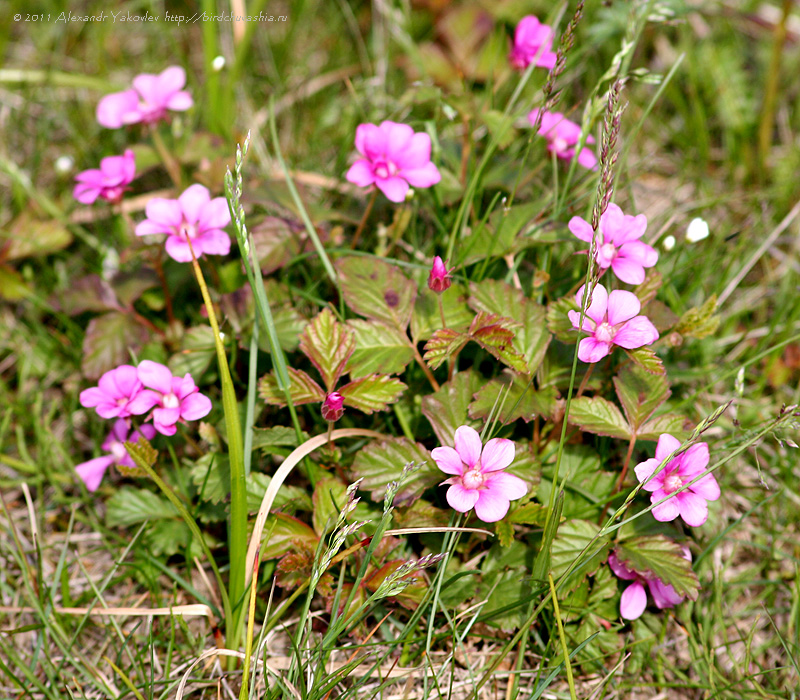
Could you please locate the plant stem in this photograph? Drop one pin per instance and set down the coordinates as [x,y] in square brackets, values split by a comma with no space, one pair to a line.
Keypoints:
[363,222]
[425,368]
[625,464]
[171,165]
[585,380]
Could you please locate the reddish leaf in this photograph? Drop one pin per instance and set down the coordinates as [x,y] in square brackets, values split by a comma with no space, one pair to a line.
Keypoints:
[328,344]
[492,332]
[303,389]
[373,393]
[108,342]
[444,343]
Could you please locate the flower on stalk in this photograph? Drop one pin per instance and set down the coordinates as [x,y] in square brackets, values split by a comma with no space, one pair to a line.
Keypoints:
[532,41]
[333,407]
[618,244]
[394,158]
[478,479]
[147,101]
[108,182]
[562,136]
[192,218]
[690,504]
[634,597]
[172,398]
[91,472]
[611,319]
[114,393]
[439,279]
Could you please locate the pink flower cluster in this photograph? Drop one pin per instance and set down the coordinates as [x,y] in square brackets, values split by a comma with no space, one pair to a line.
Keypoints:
[562,137]
[108,182]
[533,41]
[634,597]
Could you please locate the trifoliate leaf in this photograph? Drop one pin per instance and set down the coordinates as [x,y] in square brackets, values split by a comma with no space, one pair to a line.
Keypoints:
[427,317]
[442,345]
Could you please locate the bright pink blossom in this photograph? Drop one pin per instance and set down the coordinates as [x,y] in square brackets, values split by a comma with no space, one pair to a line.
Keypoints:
[618,244]
[114,393]
[690,504]
[532,41]
[610,320]
[562,136]
[479,480]
[148,100]
[634,597]
[172,398]
[333,406]
[439,279]
[109,182]
[91,472]
[394,158]
[194,217]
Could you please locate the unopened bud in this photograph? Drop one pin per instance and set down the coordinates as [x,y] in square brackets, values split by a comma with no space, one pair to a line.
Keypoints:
[439,279]
[333,406]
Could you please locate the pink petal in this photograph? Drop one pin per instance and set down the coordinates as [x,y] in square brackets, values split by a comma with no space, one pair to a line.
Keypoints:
[113,109]
[639,252]
[664,595]
[666,446]
[360,173]
[147,431]
[119,432]
[166,213]
[575,317]
[397,138]
[695,460]
[633,601]
[156,376]
[629,271]
[215,214]
[91,472]
[668,510]
[92,397]
[620,570]
[706,487]
[591,350]
[213,242]
[178,249]
[622,306]
[693,508]
[643,470]
[426,176]
[394,188]
[447,460]
[632,228]
[468,445]
[192,201]
[636,333]
[461,499]
[415,155]
[180,101]
[171,79]
[164,419]
[86,194]
[497,454]
[587,158]
[195,406]
[369,141]
[581,229]
[126,380]
[150,228]
[597,309]
[491,506]
[146,84]
[143,402]
[507,485]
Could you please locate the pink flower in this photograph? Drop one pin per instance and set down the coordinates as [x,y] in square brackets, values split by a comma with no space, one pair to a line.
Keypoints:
[532,40]
[114,393]
[109,182]
[562,136]
[193,217]
[479,480]
[634,598]
[148,100]
[173,398]
[611,319]
[91,472]
[333,406]
[689,504]
[394,158]
[618,246]
[439,279]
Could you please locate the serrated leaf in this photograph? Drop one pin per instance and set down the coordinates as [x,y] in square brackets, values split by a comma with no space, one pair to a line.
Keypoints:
[378,348]
[108,341]
[211,475]
[518,399]
[90,293]
[647,359]
[283,533]
[257,484]
[570,540]
[558,322]
[589,487]
[276,436]
[699,321]
[373,393]
[381,463]
[303,389]
[277,241]
[131,506]
[529,514]
[328,344]
[142,450]
[659,557]
[129,286]
[660,315]
[675,424]
[377,290]
[168,537]
[442,345]
[27,236]
[493,333]
[196,353]
[289,324]
[531,337]
[504,530]
[447,409]
[648,289]
[426,317]
[640,393]
[599,416]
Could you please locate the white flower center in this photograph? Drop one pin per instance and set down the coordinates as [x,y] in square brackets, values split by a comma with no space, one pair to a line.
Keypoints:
[606,253]
[170,401]
[474,478]
[604,332]
[560,145]
[118,451]
[384,169]
[187,230]
[672,482]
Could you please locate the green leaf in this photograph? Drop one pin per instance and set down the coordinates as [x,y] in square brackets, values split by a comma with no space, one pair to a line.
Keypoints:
[129,286]
[381,463]
[426,317]
[444,343]
[373,393]
[572,537]
[446,410]
[257,484]
[699,322]
[90,293]
[676,425]
[500,126]
[168,537]
[131,506]
[27,236]
[211,475]
[197,352]
[328,344]
[330,495]
[648,289]
[531,338]
[588,486]
[640,393]
[658,556]
[377,290]
[108,343]
[647,359]
[284,533]
[378,348]
[529,514]
[303,389]
[12,286]
[599,416]
[504,530]
[558,322]
[276,436]
[518,399]
[493,333]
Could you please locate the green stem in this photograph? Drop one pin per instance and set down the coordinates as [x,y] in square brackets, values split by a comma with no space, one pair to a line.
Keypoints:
[562,638]
[172,166]
[363,222]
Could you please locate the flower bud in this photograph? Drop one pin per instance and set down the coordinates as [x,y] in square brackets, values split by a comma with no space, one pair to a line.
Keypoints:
[697,230]
[439,279]
[333,406]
